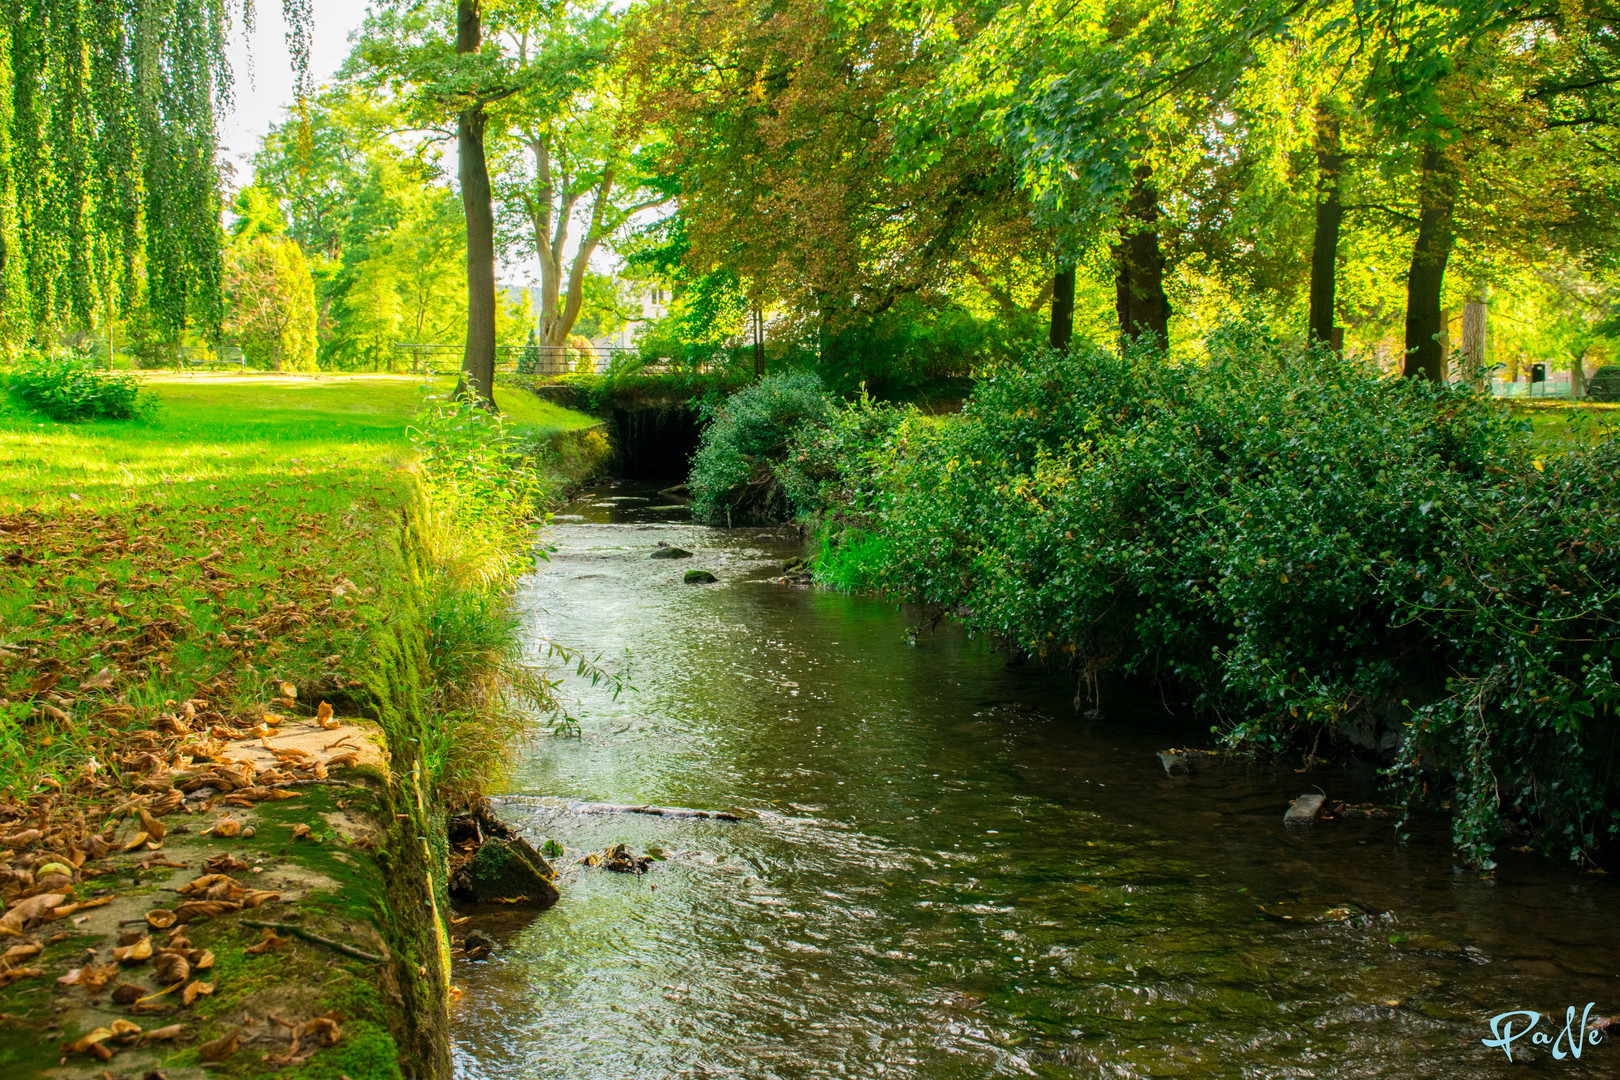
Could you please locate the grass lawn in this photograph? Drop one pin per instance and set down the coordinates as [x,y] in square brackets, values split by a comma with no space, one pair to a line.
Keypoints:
[241,537]
[1559,425]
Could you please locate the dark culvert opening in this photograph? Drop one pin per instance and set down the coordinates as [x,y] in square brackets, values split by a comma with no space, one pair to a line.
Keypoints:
[655,442]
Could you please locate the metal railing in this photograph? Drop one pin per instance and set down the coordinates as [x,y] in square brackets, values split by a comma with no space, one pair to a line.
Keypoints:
[525,359]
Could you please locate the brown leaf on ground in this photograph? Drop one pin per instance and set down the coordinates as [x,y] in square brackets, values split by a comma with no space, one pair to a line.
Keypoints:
[202,962]
[140,839]
[12,974]
[255,897]
[224,863]
[93,979]
[136,953]
[300,831]
[171,967]
[339,761]
[221,1048]
[168,803]
[288,690]
[195,989]
[202,885]
[20,839]
[91,1044]
[154,828]
[269,943]
[127,993]
[163,1034]
[33,909]
[18,953]
[323,714]
[160,919]
[192,910]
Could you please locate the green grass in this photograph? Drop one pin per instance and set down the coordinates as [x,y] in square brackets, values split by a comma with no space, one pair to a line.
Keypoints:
[1558,426]
[244,535]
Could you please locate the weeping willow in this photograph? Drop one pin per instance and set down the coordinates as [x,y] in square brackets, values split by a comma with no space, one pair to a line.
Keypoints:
[109,179]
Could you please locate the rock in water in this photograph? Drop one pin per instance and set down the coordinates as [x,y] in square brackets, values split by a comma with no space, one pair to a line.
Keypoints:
[477,945]
[666,552]
[700,577]
[1305,810]
[1174,764]
[508,870]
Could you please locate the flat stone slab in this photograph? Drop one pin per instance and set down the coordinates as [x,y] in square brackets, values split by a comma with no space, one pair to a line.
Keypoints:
[1305,810]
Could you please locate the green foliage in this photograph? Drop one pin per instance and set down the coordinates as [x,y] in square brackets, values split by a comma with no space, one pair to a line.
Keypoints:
[1306,548]
[67,388]
[735,471]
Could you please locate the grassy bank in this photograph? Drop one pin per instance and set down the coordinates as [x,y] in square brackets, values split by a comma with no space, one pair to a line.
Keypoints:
[167,582]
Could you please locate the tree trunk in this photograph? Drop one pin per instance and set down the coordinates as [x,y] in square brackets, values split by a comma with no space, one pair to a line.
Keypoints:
[1475,326]
[1424,280]
[1329,216]
[1062,332]
[759,343]
[478,360]
[1577,375]
[1139,297]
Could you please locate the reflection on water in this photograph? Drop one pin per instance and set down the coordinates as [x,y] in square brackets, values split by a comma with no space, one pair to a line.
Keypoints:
[951,875]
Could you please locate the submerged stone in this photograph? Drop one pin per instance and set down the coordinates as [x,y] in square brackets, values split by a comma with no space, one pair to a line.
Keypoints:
[508,870]
[700,577]
[1174,764]
[666,552]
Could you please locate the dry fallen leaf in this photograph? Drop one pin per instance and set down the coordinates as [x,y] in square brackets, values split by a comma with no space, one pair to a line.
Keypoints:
[127,993]
[324,1030]
[160,919]
[136,953]
[195,989]
[288,690]
[170,968]
[154,828]
[268,943]
[323,714]
[205,909]
[11,975]
[255,897]
[140,838]
[222,1047]
[20,914]
[300,831]
[203,963]
[163,1034]
[91,1044]
[224,863]
[20,952]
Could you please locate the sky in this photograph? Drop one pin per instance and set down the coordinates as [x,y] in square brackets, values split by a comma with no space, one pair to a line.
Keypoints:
[262,69]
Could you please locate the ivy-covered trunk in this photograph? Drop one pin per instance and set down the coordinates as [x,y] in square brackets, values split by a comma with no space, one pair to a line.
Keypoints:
[1139,297]
[478,360]
[1329,216]
[1436,237]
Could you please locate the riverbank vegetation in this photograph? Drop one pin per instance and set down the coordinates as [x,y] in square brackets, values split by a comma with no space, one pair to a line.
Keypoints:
[1300,550]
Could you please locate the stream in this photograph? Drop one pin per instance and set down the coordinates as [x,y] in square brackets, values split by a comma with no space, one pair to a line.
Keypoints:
[947,873]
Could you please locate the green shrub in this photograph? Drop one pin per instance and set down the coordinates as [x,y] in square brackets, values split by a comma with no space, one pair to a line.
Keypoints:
[69,389]
[735,471]
[1307,547]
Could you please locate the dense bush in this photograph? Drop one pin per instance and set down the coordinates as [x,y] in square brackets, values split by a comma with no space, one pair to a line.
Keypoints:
[735,472]
[1305,546]
[69,388]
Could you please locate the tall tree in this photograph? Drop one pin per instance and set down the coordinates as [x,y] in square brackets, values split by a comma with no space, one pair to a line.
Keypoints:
[109,191]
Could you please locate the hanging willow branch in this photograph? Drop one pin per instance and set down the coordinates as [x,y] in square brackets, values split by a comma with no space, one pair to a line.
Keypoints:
[109,182]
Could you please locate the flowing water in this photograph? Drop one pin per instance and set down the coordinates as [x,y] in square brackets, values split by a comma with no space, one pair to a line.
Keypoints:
[948,873]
